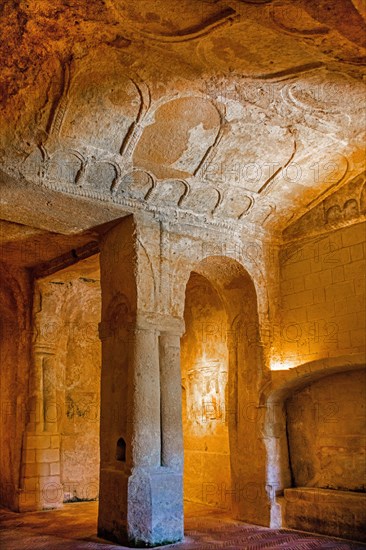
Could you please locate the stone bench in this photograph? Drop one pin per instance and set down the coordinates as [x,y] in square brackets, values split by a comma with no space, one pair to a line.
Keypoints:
[326,511]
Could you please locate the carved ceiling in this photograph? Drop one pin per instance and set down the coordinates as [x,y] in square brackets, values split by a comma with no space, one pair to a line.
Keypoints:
[233,113]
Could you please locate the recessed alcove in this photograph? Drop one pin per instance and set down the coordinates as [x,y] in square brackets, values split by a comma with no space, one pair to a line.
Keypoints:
[221,364]
[326,427]
[204,359]
[121,450]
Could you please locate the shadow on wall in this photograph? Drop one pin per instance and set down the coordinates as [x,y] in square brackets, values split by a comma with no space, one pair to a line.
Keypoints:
[222,372]
[14,372]
[315,436]
[326,425]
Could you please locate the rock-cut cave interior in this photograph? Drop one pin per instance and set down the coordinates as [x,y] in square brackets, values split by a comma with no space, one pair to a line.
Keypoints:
[182,261]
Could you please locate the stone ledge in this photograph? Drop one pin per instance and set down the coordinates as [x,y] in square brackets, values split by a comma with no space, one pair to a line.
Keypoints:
[326,511]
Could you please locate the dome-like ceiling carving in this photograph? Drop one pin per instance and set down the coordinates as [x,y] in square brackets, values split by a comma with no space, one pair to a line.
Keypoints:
[235,112]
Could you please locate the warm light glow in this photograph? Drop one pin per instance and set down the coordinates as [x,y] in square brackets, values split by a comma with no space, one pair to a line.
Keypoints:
[282,365]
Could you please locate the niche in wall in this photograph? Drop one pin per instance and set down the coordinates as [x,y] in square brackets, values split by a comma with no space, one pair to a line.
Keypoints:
[204,358]
[326,424]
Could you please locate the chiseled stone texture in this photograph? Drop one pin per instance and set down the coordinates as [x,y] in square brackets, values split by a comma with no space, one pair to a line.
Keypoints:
[15,330]
[323,294]
[155,508]
[237,137]
[66,319]
[205,396]
[326,424]
[340,513]
[234,149]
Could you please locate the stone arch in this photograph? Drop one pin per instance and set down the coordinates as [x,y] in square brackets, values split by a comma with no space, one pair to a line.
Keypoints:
[350,209]
[274,420]
[245,371]
[363,199]
[99,110]
[248,266]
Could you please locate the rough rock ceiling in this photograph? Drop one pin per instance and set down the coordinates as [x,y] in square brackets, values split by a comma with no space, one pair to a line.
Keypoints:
[236,113]
[43,251]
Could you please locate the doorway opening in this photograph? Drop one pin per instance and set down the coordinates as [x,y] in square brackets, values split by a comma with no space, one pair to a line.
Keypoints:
[67,311]
[204,359]
[222,368]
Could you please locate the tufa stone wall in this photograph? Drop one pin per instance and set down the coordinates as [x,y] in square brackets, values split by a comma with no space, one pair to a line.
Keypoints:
[323,296]
[67,312]
[326,424]
[204,359]
[15,331]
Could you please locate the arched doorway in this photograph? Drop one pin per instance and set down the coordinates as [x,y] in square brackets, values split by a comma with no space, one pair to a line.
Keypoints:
[222,373]
[204,357]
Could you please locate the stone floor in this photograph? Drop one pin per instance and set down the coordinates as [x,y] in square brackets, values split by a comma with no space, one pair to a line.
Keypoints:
[74,527]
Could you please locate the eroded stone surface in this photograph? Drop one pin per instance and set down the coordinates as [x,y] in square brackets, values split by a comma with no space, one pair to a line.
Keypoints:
[214,140]
[337,512]
[265,98]
[330,451]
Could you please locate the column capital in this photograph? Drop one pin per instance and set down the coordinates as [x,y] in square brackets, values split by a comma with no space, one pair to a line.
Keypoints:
[160,322]
[44,349]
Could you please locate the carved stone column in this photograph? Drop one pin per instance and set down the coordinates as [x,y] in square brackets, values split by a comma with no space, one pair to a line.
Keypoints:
[140,497]
[40,475]
[171,396]
[145,401]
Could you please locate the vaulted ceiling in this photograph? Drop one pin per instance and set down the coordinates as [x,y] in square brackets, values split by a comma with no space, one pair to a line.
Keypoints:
[243,113]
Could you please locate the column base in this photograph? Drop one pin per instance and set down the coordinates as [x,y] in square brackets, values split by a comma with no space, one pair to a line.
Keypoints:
[41,487]
[143,509]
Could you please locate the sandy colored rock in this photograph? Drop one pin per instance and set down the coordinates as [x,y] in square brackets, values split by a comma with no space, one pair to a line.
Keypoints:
[182,260]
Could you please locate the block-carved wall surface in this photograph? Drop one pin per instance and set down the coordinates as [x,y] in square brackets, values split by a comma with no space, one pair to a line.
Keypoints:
[326,429]
[322,286]
[67,326]
[345,206]
[230,112]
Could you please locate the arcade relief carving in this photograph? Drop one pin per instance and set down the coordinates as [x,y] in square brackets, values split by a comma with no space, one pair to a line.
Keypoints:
[154,156]
[211,154]
[347,204]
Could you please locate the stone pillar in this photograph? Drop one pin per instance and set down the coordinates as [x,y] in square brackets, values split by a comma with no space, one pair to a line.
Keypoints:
[145,399]
[40,473]
[171,397]
[140,497]
[36,409]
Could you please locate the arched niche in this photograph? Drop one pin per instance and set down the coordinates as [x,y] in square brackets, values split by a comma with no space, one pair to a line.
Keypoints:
[222,368]
[218,268]
[275,429]
[121,450]
[327,431]
[102,104]
[204,361]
